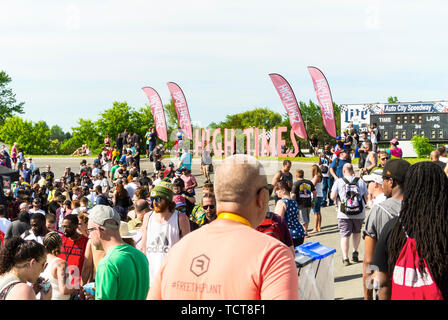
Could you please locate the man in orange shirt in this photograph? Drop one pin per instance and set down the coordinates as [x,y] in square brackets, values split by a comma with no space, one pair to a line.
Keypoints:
[235,261]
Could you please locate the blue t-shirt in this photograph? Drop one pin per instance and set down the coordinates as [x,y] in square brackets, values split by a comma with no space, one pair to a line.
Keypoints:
[340,163]
[295,227]
[97,161]
[102,199]
[27,175]
[153,139]
[186,160]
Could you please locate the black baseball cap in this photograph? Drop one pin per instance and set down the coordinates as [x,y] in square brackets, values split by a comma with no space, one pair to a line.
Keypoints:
[396,169]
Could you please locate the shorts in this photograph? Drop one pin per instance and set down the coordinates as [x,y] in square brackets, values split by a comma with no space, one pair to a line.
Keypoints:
[14,160]
[304,215]
[317,204]
[349,226]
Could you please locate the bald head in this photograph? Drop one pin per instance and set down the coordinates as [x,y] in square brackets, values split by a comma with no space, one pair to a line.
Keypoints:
[238,178]
[141,206]
[434,156]
[24,206]
[347,170]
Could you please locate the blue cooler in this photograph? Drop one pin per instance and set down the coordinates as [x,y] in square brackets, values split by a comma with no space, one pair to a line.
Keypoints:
[317,284]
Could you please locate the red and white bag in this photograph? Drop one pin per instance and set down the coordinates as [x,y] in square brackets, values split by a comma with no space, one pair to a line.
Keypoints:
[408,283]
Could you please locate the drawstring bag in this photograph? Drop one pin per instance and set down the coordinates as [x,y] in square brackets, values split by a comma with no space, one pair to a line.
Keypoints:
[408,283]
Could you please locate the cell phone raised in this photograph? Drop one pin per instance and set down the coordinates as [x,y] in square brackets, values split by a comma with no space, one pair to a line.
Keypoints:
[45,285]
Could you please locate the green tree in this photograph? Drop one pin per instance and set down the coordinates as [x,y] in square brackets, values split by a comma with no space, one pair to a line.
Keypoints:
[31,137]
[85,133]
[141,120]
[392,100]
[171,115]
[114,120]
[421,146]
[312,117]
[8,102]
[122,116]
[259,117]
[57,133]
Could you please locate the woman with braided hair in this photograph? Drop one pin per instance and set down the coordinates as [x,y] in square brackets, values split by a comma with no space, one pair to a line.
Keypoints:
[22,261]
[56,271]
[418,237]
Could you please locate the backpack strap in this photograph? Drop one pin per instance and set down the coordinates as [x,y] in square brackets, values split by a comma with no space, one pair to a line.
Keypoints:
[269,215]
[354,182]
[178,224]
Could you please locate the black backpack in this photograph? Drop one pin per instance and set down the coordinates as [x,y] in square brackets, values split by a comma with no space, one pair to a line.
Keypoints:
[353,202]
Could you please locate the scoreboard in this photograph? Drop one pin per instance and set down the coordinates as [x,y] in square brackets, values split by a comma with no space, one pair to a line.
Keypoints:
[404,126]
[401,120]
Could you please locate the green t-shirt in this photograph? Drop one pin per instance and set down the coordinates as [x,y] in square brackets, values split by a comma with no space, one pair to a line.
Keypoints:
[123,274]
[113,169]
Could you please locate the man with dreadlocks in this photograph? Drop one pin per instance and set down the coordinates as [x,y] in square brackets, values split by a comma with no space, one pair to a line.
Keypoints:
[393,186]
[411,250]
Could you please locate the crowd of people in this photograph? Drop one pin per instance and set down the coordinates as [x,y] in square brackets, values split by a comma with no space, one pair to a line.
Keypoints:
[149,212]
[78,236]
[404,252]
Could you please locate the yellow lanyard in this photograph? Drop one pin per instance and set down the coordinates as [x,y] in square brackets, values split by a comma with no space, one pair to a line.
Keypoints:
[234,217]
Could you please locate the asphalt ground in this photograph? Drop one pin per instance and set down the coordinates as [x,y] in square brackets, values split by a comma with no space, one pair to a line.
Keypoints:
[347,279]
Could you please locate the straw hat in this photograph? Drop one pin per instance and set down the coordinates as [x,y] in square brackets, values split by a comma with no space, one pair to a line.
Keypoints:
[125,232]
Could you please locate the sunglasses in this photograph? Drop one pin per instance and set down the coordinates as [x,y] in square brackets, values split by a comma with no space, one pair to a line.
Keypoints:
[211,206]
[268,187]
[382,159]
[43,265]
[156,199]
[88,230]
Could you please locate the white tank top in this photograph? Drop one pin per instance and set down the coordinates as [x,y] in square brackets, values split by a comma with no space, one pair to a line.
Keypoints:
[159,239]
[319,191]
[56,294]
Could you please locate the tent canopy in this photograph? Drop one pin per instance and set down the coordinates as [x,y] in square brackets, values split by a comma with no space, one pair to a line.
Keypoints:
[13,175]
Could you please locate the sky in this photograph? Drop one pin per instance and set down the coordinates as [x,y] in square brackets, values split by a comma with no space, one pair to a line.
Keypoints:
[73,59]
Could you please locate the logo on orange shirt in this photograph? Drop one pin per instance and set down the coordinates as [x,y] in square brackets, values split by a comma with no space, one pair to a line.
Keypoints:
[200,265]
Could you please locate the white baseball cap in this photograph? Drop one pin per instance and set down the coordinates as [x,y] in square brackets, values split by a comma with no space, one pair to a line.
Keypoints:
[375,176]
